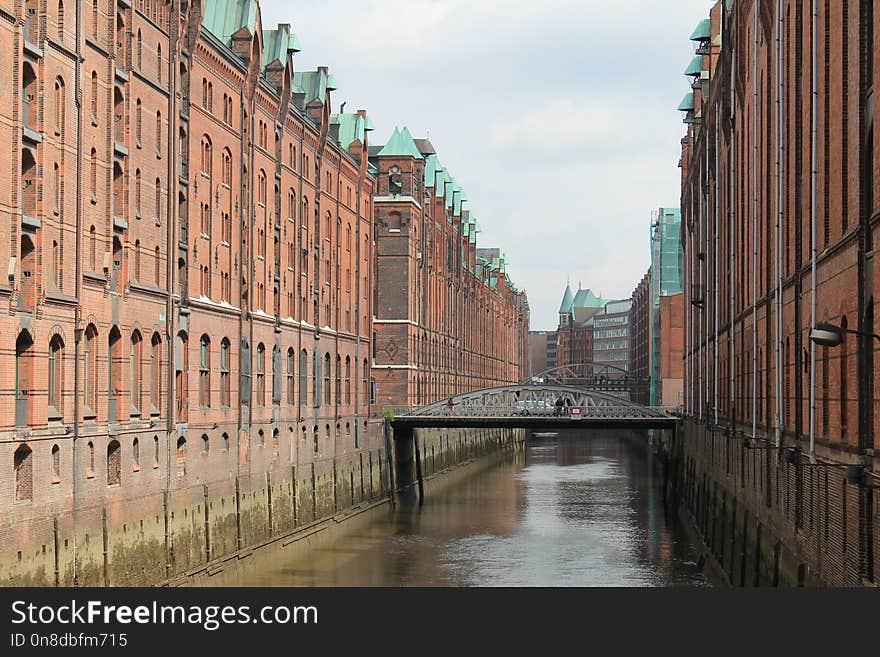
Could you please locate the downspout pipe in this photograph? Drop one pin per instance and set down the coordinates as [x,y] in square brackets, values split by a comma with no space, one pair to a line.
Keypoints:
[732,241]
[78,394]
[814,129]
[715,258]
[780,148]
[755,137]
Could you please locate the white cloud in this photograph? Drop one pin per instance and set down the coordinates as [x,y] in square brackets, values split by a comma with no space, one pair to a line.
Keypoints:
[557,116]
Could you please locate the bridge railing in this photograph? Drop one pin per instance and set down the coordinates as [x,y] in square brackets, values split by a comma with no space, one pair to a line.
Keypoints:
[537,410]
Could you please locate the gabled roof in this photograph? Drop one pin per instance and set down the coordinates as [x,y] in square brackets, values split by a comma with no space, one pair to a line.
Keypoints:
[312,84]
[223,18]
[687,103]
[432,166]
[586,299]
[352,128]
[703,31]
[278,44]
[695,66]
[567,301]
[401,144]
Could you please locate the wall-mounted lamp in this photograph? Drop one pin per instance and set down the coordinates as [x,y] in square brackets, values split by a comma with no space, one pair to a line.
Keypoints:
[829,335]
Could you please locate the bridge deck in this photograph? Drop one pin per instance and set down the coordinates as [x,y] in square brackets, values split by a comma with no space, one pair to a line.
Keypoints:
[531,422]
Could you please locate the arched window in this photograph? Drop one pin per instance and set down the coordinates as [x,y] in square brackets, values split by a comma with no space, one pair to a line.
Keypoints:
[93,179]
[181,379]
[114,463]
[158,135]
[205,372]
[348,380]
[155,372]
[290,379]
[135,455]
[138,122]
[261,375]
[158,192]
[276,375]
[137,193]
[338,393]
[59,107]
[159,62]
[60,20]
[23,377]
[227,167]
[155,452]
[327,375]
[224,373]
[23,468]
[135,366]
[139,51]
[844,380]
[291,206]
[365,381]
[207,154]
[225,439]
[181,456]
[316,379]
[303,377]
[56,464]
[90,460]
[94,19]
[56,376]
[90,368]
[206,445]
[261,187]
[93,101]
[114,375]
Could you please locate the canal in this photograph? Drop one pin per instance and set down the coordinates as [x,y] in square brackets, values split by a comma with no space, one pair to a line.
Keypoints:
[571,510]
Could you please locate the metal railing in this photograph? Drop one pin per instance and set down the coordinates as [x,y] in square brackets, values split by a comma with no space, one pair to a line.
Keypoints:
[574,412]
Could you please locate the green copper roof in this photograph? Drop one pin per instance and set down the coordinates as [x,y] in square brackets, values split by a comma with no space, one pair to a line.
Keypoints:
[278,44]
[695,66]
[567,301]
[703,31]
[401,144]
[458,198]
[440,185]
[687,103]
[331,83]
[223,18]
[586,299]
[313,84]
[352,127]
[368,126]
[432,165]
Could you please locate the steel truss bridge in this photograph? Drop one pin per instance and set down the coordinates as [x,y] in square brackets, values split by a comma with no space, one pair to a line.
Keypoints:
[535,405]
[592,376]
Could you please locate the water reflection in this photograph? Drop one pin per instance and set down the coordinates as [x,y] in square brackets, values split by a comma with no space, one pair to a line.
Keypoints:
[578,510]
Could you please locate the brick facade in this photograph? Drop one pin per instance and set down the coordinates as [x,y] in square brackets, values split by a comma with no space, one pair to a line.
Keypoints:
[448,319]
[748,225]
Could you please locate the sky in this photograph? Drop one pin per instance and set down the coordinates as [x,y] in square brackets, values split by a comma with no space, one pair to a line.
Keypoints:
[557,117]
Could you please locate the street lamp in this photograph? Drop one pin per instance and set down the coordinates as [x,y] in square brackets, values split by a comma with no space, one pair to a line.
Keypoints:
[829,335]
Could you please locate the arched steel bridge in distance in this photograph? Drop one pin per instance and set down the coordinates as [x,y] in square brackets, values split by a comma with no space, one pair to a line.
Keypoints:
[535,405]
[600,377]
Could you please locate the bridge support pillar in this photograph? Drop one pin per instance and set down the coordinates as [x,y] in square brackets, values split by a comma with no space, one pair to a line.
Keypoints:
[405,465]
[419,476]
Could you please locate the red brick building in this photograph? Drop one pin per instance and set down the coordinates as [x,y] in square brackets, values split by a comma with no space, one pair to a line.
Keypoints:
[574,335]
[448,319]
[190,287]
[641,338]
[188,274]
[779,214]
